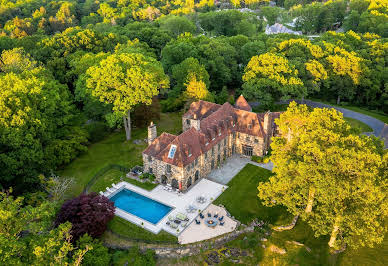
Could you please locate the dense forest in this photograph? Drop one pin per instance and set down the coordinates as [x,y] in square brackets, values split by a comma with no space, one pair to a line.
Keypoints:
[64,66]
[52,52]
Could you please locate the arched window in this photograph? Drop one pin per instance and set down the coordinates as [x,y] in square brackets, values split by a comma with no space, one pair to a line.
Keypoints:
[196,177]
[174,183]
[163,179]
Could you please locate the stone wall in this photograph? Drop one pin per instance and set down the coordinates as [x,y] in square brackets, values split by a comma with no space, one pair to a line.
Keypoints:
[177,251]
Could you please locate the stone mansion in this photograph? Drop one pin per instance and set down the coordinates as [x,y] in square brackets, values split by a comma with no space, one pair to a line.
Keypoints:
[211,133]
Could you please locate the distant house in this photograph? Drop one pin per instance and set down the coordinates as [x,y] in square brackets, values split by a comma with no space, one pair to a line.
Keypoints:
[280,28]
[211,133]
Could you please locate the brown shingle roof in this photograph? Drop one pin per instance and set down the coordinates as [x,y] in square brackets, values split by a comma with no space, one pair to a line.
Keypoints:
[242,104]
[201,109]
[159,144]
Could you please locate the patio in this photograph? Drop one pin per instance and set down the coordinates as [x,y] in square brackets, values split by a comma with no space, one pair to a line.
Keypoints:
[180,203]
[198,232]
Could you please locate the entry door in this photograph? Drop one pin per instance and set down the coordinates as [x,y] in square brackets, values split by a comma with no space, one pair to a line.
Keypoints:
[247,150]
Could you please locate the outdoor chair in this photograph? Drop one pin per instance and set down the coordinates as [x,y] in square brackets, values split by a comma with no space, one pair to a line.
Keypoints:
[170,218]
[221,218]
[173,225]
[101,193]
[209,215]
[197,222]
[222,223]
[216,215]
[201,215]
[183,224]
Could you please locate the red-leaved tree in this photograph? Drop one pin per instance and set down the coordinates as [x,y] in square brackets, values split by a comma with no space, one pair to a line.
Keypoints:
[88,213]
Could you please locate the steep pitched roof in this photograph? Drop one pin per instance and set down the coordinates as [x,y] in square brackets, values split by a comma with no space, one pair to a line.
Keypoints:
[242,104]
[217,121]
[159,144]
[201,109]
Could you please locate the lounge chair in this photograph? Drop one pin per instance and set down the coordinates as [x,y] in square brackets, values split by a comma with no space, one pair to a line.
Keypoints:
[216,215]
[170,218]
[209,215]
[181,216]
[101,193]
[201,215]
[173,225]
[222,223]
[115,186]
[109,190]
[197,222]
[221,218]
[183,224]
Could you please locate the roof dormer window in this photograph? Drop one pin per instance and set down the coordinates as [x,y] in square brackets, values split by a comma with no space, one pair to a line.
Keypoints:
[172,151]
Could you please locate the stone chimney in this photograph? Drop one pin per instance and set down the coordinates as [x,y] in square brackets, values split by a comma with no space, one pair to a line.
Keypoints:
[196,123]
[268,123]
[152,133]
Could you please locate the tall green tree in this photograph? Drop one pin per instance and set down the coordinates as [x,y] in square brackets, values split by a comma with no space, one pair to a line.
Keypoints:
[331,178]
[125,80]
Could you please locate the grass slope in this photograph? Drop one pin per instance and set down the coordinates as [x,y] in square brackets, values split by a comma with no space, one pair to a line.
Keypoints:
[136,233]
[242,202]
[115,150]
[241,199]
[354,123]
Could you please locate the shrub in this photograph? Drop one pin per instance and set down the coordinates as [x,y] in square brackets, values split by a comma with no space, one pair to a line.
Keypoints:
[134,257]
[98,255]
[266,159]
[88,213]
[256,159]
[97,131]
[151,177]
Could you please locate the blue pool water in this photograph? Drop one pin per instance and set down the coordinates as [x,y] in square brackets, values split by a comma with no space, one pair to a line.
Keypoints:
[140,206]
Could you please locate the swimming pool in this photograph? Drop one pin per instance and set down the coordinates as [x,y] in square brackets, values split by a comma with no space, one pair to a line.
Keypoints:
[140,206]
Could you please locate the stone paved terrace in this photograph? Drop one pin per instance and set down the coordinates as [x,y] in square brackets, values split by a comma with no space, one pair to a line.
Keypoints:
[211,190]
[199,232]
[231,167]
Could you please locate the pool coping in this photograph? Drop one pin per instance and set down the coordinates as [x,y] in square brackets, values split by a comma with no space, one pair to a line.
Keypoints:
[130,214]
[210,189]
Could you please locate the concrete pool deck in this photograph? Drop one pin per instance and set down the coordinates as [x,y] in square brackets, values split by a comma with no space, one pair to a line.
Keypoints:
[211,190]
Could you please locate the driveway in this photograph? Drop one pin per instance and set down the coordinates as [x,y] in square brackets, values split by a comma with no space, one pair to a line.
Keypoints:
[379,127]
[232,167]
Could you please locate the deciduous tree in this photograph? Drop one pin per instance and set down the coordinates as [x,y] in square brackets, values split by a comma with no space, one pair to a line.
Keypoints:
[124,80]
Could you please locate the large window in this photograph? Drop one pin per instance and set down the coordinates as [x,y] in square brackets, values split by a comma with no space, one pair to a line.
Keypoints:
[247,150]
[168,168]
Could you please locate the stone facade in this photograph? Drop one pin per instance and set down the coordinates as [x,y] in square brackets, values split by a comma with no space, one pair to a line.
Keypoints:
[246,133]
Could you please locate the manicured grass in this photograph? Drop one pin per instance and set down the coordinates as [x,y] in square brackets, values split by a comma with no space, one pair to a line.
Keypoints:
[115,150]
[354,123]
[115,176]
[241,199]
[242,202]
[376,114]
[136,233]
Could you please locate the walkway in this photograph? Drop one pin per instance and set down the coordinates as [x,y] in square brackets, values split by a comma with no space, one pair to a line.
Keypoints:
[232,167]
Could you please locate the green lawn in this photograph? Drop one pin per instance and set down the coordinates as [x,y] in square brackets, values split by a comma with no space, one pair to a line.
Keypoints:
[242,202]
[241,199]
[136,233]
[115,176]
[354,123]
[115,150]
[273,108]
